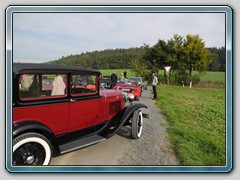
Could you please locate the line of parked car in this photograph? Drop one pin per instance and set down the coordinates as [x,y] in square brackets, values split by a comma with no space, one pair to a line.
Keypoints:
[131,85]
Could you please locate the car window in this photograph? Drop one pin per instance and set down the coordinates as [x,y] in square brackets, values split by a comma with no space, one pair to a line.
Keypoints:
[42,86]
[83,84]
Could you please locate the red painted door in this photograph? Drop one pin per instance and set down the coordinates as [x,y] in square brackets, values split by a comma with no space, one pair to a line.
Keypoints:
[85,113]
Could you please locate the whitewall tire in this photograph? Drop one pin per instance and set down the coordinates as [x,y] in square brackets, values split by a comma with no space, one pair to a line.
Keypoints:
[31,149]
[137,124]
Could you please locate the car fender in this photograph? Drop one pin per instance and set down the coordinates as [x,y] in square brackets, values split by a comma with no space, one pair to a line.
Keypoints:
[116,123]
[31,126]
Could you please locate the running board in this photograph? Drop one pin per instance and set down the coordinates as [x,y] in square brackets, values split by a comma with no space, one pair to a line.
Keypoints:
[77,144]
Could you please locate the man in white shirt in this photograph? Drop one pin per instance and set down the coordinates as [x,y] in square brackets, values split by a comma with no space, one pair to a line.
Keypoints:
[154,85]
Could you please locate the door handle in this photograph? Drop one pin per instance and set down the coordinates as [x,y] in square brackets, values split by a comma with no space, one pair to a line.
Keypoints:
[72,100]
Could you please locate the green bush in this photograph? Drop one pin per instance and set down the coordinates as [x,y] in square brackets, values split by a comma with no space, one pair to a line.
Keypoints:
[195,79]
[160,78]
[182,77]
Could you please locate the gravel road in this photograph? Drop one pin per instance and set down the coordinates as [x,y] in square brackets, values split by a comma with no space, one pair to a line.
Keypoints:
[152,148]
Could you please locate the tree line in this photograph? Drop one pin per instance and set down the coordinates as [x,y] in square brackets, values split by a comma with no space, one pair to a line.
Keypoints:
[187,53]
[105,59]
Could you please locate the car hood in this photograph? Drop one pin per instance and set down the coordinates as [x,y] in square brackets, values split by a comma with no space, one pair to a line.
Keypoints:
[110,92]
[126,86]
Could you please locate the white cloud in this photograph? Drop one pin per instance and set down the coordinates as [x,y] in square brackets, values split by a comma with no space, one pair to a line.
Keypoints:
[49,36]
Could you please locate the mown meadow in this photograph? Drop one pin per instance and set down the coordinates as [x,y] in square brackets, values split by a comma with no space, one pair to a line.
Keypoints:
[196,123]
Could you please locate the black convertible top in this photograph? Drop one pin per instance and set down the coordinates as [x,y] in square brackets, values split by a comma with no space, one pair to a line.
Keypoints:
[32,67]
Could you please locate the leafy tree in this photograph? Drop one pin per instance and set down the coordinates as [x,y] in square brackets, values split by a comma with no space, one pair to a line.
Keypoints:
[215,65]
[139,68]
[106,59]
[222,58]
[175,53]
[195,55]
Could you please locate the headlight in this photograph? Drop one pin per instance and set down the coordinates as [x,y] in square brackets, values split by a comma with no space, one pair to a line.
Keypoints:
[124,96]
[130,97]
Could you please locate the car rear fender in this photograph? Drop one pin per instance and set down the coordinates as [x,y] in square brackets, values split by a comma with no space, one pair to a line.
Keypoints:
[32,126]
[116,123]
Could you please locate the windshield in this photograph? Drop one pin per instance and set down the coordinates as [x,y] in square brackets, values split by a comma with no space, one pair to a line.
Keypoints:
[131,83]
[135,79]
[106,77]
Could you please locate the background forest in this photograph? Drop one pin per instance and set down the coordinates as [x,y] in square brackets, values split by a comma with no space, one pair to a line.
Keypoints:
[185,55]
[121,58]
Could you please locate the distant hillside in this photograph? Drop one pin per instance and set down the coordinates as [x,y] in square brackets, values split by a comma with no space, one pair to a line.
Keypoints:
[106,59]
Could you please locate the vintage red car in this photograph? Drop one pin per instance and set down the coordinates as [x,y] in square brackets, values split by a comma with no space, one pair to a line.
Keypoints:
[71,113]
[130,87]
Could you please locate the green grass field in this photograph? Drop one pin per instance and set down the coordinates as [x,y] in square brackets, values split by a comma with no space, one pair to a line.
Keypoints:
[196,119]
[218,77]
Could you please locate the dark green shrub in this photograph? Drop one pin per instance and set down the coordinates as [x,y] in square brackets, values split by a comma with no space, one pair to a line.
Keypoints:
[195,79]
[180,77]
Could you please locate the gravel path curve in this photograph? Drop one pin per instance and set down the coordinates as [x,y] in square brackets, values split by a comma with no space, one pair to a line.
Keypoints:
[153,147]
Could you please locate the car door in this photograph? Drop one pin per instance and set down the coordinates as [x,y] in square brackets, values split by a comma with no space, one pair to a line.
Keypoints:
[85,108]
[40,104]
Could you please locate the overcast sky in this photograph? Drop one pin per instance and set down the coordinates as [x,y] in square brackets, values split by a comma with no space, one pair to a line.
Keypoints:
[41,37]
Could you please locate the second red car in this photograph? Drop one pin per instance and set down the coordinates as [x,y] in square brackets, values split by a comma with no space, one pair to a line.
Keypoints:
[130,87]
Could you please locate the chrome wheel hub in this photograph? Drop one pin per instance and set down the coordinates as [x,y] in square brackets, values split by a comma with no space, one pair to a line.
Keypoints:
[30,159]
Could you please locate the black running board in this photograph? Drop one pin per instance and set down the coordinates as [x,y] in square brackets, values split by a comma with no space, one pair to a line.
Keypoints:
[71,146]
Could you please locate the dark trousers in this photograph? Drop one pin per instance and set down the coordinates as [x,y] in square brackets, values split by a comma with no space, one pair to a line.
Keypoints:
[154,92]
[113,84]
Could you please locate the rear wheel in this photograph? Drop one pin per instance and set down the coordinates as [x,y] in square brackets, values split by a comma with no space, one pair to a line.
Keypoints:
[31,149]
[137,122]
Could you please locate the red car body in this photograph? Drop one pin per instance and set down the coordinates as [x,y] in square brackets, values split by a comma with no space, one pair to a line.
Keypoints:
[78,114]
[130,87]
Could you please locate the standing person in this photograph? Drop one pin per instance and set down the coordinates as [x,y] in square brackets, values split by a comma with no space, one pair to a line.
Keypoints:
[114,79]
[122,78]
[58,86]
[35,88]
[125,74]
[26,82]
[154,85]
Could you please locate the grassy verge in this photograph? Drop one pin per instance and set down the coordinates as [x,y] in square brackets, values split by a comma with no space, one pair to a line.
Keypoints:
[196,123]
